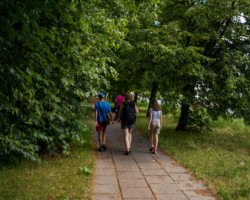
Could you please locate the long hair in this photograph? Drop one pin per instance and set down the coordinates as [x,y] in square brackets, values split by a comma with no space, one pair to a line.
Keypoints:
[155,105]
[127,97]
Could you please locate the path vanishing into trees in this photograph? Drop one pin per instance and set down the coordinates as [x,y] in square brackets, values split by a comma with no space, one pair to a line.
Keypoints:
[141,175]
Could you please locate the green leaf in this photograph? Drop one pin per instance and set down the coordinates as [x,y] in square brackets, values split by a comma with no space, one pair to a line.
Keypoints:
[85,170]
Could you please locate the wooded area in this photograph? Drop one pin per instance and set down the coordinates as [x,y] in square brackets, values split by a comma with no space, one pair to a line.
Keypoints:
[54,54]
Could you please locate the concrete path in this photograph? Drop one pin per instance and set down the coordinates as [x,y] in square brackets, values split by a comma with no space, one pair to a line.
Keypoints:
[141,175]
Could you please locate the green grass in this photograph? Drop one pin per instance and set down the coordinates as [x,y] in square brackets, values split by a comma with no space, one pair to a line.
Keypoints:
[55,178]
[220,158]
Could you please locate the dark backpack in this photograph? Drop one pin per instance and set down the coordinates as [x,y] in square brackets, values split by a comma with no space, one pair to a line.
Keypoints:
[129,116]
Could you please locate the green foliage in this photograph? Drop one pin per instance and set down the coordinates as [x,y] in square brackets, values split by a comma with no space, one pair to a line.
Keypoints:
[56,53]
[204,54]
[194,50]
[56,177]
[134,63]
[85,170]
[198,120]
[53,54]
[142,103]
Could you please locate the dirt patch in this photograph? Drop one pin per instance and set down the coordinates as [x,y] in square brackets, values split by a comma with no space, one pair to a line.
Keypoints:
[204,192]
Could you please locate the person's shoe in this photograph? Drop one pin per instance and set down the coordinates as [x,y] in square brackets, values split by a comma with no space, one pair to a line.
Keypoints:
[100,149]
[127,153]
[104,147]
[151,148]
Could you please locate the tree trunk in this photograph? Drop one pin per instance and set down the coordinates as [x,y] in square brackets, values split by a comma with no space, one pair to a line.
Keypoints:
[152,95]
[136,97]
[183,118]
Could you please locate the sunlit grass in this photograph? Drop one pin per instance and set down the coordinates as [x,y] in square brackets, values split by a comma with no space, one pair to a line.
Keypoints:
[220,158]
[55,178]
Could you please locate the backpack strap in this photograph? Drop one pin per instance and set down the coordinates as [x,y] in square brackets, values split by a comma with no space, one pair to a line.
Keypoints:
[100,109]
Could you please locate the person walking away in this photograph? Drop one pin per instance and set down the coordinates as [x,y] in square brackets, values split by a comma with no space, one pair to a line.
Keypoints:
[102,109]
[154,124]
[127,116]
[118,100]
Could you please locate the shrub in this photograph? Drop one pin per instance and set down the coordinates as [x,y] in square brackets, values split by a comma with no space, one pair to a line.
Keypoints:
[198,120]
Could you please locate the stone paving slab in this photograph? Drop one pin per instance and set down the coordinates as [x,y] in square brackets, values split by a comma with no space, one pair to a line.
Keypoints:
[130,175]
[153,172]
[106,180]
[159,179]
[199,194]
[105,166]
[126,168]
[106,189]
[125,162]
[141,175]
[165,158]
[201,198]
[140,198]
[107,197]
[191,185]
[104,162]
[171,196]
[149,166]
[106,172]
[133,183]
[181,177]
[166,188]
[137,193]
[176,169]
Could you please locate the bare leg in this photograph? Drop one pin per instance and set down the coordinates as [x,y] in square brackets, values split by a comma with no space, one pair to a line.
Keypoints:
[100,138]
[151,139]
[130,138]
[104,137]
[126,139]
[156,143]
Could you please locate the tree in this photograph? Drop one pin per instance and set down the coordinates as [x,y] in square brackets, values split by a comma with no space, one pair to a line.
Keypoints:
[135,64]
[53,53]
[208,42]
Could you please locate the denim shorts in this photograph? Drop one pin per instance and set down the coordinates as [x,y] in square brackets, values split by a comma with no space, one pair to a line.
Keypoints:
[127,126]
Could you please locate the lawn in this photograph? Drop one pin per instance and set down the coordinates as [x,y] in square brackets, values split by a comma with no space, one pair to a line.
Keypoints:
[220,157]
[55,178]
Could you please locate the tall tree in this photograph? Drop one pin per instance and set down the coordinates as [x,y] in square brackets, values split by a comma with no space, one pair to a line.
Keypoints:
[208,43]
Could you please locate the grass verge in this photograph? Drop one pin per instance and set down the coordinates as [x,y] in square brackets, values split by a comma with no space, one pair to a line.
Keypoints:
[55,178]
[220,158]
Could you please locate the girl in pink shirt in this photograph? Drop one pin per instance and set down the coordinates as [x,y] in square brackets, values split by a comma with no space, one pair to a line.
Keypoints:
[118,100]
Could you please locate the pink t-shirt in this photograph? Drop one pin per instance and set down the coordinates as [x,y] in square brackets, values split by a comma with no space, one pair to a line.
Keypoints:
[119,100]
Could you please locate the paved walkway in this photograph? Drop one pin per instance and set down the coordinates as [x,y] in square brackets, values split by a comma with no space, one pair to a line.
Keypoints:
[141,175]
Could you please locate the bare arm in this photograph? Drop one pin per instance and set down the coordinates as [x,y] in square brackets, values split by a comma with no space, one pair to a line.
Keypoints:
[119,113]
[136,109]
[96,113]
[110,115]
[161,120]
[149,120]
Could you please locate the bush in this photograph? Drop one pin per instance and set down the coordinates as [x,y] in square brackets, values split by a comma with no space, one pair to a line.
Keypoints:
[54,52]
[198,120]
